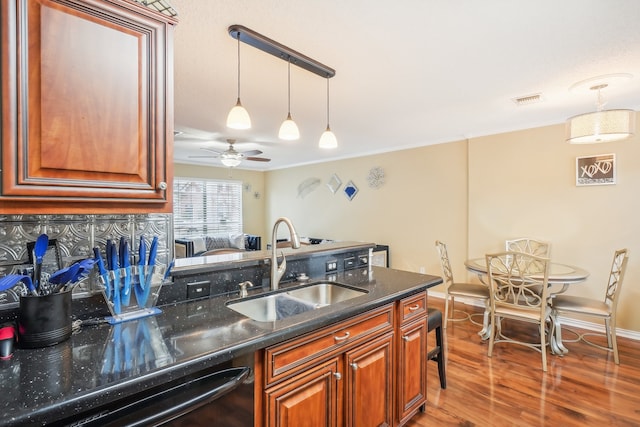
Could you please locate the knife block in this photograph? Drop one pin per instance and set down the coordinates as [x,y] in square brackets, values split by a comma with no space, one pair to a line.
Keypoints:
[145,284]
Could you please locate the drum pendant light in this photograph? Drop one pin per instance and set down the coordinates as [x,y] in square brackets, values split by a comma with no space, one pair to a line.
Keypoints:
[328,139]
[289,129]
[601,125]
[238,117]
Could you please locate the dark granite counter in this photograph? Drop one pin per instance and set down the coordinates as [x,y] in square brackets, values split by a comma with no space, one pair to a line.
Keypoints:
[104,363]
[225,261]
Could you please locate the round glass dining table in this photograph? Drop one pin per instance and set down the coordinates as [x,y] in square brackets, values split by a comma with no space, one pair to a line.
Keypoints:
[559,274]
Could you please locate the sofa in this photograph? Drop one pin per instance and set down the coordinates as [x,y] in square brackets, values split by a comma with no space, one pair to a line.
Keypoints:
[198,246]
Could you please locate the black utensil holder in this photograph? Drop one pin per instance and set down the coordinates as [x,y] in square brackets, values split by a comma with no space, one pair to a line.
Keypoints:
[44,320]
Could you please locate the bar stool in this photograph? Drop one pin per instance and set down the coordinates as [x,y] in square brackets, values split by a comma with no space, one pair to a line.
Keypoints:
[434,321]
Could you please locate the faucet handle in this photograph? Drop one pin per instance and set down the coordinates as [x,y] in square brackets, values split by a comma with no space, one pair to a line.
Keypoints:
[243,288]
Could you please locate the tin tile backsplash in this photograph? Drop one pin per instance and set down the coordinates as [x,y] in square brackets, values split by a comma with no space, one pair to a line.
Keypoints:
[76,236]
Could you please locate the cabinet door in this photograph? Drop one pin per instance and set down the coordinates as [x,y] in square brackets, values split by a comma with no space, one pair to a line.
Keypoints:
[369,382]
[412,369]
[311,399]
[87,101]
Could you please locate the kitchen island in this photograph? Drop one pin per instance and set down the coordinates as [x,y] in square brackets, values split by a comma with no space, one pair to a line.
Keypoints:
[102,364]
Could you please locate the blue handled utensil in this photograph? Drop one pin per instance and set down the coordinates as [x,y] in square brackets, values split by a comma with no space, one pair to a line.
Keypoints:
[114,266]
[84,268]
[64,276]
[10,280]
[125,264]
[151,262]
[103,272]
[107,252]
[168,272]
[142,260]
[39,250]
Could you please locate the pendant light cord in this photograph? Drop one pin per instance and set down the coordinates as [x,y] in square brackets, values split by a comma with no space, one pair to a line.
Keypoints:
[238,64]
[289,86]
[327,102]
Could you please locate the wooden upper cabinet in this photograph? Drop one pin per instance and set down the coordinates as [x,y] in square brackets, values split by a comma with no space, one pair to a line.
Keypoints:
[87,107]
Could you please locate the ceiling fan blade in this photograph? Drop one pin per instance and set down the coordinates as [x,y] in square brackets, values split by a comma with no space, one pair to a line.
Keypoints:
[211,150]
[251,152]
[258,159]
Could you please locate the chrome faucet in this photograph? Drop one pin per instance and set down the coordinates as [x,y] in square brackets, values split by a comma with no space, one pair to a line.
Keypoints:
[277,271]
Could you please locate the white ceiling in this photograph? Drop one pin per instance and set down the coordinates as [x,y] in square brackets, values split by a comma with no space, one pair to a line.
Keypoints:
[408,73]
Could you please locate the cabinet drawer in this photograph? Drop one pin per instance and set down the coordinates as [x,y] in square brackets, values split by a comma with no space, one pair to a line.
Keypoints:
[412,307]
[300,353]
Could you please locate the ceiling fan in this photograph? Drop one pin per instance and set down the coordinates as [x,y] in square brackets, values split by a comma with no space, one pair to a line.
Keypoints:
[231,157]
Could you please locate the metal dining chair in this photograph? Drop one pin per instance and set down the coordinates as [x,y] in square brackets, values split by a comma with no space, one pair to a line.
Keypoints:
[600,309]
[463,290]
[518,293]
[529,246]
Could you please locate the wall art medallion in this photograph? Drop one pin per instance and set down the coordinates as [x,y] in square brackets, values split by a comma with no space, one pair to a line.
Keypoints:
[376,177]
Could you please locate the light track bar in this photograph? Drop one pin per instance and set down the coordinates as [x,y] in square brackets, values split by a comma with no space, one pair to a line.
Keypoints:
[281,51]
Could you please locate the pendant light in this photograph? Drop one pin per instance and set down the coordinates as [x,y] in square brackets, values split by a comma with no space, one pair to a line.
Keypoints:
[600,125]
[289,130]
[238,117]
[328,139]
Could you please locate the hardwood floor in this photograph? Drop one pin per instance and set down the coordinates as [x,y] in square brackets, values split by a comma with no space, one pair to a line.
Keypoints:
[583,388]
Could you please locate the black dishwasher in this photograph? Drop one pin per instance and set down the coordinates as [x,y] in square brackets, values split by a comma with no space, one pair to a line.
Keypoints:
[223,397]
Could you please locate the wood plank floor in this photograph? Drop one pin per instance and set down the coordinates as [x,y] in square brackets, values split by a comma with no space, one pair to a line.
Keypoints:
[583,388]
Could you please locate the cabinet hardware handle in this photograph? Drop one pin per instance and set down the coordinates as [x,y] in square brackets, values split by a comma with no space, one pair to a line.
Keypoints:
[337,375]
[414,307]
[406,338]
[342,338]
[354,366]
[162,185]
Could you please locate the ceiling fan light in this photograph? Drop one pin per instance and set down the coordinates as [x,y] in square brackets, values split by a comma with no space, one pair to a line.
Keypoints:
[238,117]
[328,139]
[231,159]
[600,126]
[289,130]
[232,163]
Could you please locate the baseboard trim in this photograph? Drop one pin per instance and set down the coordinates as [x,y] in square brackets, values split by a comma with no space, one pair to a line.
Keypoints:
[595,327]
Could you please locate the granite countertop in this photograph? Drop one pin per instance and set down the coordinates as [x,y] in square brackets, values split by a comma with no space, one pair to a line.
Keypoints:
[224,261]
[104,363]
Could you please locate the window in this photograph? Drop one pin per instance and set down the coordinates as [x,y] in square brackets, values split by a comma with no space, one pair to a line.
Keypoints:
[206,207]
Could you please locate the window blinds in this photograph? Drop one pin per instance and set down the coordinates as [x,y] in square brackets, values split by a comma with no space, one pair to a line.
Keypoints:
[206,207]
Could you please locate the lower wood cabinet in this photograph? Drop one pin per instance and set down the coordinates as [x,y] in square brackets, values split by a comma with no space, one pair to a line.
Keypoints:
[412,369]
[412,356]
[369,370]
[369,384]
[309,399]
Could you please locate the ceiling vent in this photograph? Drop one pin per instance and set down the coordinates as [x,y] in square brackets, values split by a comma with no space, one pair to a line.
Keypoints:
[528,99]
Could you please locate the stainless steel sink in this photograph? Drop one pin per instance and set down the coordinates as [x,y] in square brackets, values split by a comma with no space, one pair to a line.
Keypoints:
[325,293]
[288,303]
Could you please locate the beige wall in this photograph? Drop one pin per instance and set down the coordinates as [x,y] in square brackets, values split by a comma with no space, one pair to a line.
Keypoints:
[423,199]
[523,184]
[253,207]
[472,195]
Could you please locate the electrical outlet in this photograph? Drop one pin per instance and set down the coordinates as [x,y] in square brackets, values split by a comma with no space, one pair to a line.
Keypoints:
[331,265]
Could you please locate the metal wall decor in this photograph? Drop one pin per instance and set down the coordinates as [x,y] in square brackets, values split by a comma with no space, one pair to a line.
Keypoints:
[75,236]
[376,177]
[307,186]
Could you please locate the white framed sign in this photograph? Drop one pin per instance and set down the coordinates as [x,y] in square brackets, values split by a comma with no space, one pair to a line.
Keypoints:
[596,170]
